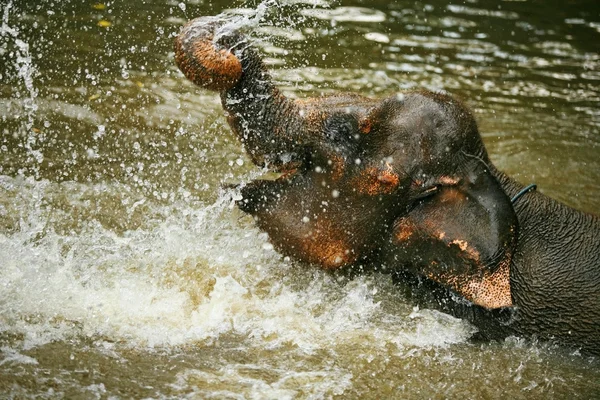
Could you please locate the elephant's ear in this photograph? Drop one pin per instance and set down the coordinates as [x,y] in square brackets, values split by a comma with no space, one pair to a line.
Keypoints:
[462,235]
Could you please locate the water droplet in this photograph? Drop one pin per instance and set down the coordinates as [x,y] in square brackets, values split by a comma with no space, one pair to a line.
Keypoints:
[377,37]
[267,247]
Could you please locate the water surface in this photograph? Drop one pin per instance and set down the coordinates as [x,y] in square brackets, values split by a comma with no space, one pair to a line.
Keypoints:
[126,271]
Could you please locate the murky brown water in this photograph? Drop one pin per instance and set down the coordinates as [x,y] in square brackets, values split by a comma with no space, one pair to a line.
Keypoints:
[124,269]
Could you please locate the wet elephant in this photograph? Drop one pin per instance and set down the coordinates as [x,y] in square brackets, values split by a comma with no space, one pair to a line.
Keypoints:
[404,183]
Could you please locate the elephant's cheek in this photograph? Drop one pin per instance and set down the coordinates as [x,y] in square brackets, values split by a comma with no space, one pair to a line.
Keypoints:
[374,181]
[317,242]
[327,248]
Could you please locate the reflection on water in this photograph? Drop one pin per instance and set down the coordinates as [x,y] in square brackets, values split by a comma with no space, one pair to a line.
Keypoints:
[125,269]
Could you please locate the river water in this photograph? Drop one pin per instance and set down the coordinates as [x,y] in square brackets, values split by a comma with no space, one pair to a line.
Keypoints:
[125,270]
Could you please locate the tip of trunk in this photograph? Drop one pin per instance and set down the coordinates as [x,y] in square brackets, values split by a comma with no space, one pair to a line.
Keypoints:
[204,55]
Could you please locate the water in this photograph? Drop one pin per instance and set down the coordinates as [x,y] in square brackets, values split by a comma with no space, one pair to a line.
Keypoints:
[126,271]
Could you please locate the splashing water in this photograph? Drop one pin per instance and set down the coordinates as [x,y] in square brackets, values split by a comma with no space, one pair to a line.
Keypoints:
[189,278]
[194,277]
[25,69]
[23,63]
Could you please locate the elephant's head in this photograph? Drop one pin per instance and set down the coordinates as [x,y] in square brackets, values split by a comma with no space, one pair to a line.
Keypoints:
[404,181]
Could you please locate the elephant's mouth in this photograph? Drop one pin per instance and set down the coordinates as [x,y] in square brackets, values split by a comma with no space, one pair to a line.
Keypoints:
[282,172]
[288,171]
[286,166]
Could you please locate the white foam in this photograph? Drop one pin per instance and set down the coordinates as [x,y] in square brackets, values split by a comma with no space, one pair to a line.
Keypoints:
[202,272]
[12,356]
[291,383]
[377,37]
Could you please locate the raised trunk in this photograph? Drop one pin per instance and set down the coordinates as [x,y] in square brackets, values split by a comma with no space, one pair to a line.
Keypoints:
[214,55]
[270,125]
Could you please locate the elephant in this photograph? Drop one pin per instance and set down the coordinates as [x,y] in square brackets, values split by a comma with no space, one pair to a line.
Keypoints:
[404,183]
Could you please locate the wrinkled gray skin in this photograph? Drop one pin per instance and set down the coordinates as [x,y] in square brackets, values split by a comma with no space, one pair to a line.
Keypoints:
[404,184]
[554,276]
[555,272]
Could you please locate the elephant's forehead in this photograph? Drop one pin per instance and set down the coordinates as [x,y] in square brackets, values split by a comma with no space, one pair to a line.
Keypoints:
[425,128]
[422,118]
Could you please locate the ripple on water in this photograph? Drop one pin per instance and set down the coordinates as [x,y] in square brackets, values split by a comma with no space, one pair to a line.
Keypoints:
[481,12]
[346,14]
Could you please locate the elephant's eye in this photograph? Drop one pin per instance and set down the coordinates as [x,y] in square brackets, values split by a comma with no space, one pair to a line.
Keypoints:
[341,130]
[427,192]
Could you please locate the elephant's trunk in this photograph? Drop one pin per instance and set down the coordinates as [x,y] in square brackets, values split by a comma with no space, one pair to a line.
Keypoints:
[217,57]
